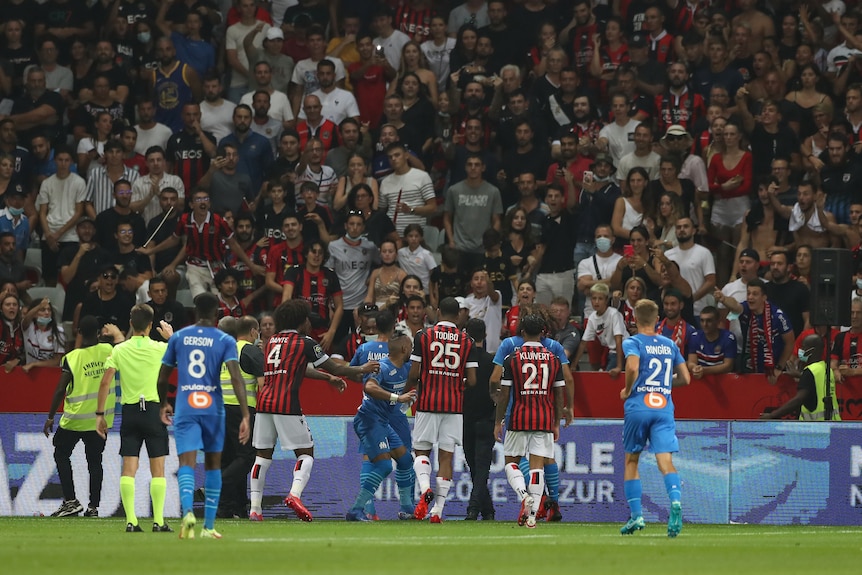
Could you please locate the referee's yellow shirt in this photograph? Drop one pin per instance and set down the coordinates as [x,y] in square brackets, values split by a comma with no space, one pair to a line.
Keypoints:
[138,361]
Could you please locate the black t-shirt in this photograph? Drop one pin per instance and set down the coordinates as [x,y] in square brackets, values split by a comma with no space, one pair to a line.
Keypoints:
[172,312]
[449,284]
[114,310]
[166,257]
[268,223]
[88,269]
[769,146]
[559,239]
[251,360]
[133,263]
[377,226]
[310,232]
[535,161]
[106,228]
[26,104]
[793,298]
[500,272]
[71,14]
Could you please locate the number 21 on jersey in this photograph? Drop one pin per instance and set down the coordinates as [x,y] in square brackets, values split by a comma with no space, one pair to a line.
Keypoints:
[661,373]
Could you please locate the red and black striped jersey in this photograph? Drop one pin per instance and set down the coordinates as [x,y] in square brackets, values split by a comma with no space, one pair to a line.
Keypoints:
[318,289]
[186,153]
[460,124]
[11,342]
[684,110]
[326,132]
[233,307]
[683,15]
[532,372]
[205,242]
[847,349]
[414,22]
[279,259]
[444,352]
[287,353]
[249,282]
[582,46]
[661,48]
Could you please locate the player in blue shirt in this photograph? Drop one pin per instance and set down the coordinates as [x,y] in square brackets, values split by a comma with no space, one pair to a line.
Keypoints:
[198,352]
[550,509]
[651,361]
[404,478]
[384,391]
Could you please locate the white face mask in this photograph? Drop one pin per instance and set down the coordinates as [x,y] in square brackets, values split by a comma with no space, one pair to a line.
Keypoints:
[369,337]
[859,283]
[603,244]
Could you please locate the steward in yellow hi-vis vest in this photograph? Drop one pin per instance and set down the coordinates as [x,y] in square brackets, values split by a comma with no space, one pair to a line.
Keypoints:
[811,391]
[237,459]
[79,385]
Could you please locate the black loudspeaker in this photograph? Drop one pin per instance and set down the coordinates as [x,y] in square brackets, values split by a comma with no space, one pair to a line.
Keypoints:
[831,284]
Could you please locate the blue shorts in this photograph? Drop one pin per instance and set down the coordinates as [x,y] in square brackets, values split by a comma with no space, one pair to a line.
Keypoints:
[375,438]
[194,432]
[657,427]
[401,426]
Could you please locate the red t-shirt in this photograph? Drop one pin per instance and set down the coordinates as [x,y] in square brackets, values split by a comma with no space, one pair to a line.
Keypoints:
[370,91]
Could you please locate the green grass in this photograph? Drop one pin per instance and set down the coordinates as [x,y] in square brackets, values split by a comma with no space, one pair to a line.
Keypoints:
[78,545]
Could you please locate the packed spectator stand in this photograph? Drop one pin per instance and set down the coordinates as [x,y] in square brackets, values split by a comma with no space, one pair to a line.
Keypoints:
[572,154]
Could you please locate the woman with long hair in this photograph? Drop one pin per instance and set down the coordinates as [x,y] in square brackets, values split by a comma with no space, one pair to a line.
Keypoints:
[807,95]
[716,143]
[384,283]
[635,289]
[815,144]
[44,339]
[357,173]
[7,172]
[81,64]
[610,52]
[413,61]
[465,47]
[267,328]
[11,333]
[802,264]
[419,112]
[378,226]
[640,264]
[537,57]
[670,166]
[438,49]
[518,243]
[526,295]
[670,209]
[629,209]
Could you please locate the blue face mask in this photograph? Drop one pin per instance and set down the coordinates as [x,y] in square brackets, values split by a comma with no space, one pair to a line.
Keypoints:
[858,282]
[43,321]
[16,212]
[802,355]
[144,37]
[603,244]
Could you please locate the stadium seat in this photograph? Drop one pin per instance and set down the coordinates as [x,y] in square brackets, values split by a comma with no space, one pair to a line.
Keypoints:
[184,296]
[434,238]
[57,295]
[33,259]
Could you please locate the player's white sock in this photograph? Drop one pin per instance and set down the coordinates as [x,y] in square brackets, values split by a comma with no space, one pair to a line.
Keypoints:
[422,468]
[443,486]
[258,481]
[301,473]
[536,488]
[516,480]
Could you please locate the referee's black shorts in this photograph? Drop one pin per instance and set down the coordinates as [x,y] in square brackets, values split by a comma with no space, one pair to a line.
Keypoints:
[139,427]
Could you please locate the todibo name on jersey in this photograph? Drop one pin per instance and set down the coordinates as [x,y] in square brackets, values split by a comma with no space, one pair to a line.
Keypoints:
[198,341]
[447,335]
[659,349]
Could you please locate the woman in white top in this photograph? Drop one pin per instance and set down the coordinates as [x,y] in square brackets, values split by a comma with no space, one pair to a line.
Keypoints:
[414,60]
[437,51]
[629,208]
[357,173]
[44,341]
[414,258]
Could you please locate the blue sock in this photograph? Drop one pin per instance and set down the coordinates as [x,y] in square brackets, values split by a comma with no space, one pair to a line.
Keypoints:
[634,491]
[552,480]
[212,485]
[524,466]
[366,468]
[671,483]
[186,480]
[376,475]
[405,479]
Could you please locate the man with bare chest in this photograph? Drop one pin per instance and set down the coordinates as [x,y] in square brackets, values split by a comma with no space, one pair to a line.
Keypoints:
[760,24]
[805,220]
[762,228]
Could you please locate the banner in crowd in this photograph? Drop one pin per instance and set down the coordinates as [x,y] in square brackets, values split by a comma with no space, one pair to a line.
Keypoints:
[743,472]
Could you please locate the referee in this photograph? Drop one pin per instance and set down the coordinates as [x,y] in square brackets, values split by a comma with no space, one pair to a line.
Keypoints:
[136,362]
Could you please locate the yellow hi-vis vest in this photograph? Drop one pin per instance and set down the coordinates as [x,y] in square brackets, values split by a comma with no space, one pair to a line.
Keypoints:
[249,380]
[818,370]
[82,396]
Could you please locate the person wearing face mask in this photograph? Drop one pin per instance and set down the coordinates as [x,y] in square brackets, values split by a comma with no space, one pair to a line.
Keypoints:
[811,391]
[600,267]
[14,221]
[44,340]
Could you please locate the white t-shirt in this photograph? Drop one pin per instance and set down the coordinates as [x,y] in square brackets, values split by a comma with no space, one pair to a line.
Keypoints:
[650,163]
[233,41]
[695,264]
[217,120]
[141,187]
[305,73]
[40,345]
[607,267]
[337,105]
[392,46]
[438,59]
[620,139]
[279,106]
[414,188]
[326,180]
[419,263]
[158,135]
[61,197]
[489,312]
[604,329]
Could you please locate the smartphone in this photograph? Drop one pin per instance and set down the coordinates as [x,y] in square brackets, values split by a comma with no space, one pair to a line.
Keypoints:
[628,251]
[588,177]
[379,50]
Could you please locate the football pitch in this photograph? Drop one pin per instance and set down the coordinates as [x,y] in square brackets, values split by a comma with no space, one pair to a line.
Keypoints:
[79,545]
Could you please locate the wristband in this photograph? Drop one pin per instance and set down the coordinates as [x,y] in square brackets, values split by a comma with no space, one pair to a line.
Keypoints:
[393,398]
[100,413]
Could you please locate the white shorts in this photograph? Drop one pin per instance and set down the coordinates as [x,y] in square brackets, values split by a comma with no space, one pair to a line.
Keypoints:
[200,280]
[444,429]
[291,431]
[729,212]
[526,443]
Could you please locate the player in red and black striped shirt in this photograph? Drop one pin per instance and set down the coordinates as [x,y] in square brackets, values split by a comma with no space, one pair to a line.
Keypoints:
[413,17]
[206,235]
[251,287]
[279,414]
[441,362]
[320,288]
[533,378]
[284,255]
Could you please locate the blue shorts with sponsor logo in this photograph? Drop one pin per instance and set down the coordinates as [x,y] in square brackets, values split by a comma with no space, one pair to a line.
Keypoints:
[194,432]
[654,426]
[375,437]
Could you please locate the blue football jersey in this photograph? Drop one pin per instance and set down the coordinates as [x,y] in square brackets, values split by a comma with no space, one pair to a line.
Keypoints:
[390,378]
[508,345]
[198,353]
[370,351]
[658,357]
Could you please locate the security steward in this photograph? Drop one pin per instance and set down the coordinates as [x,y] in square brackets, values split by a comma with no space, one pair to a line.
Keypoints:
[811,391]
[237,459]
[81,374]
[135,364]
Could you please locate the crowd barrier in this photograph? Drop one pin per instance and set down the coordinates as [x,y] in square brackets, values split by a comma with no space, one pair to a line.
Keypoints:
[596,395]
[732,472]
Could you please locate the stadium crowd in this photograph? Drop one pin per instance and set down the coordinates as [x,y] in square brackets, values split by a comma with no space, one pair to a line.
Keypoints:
[367,155]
